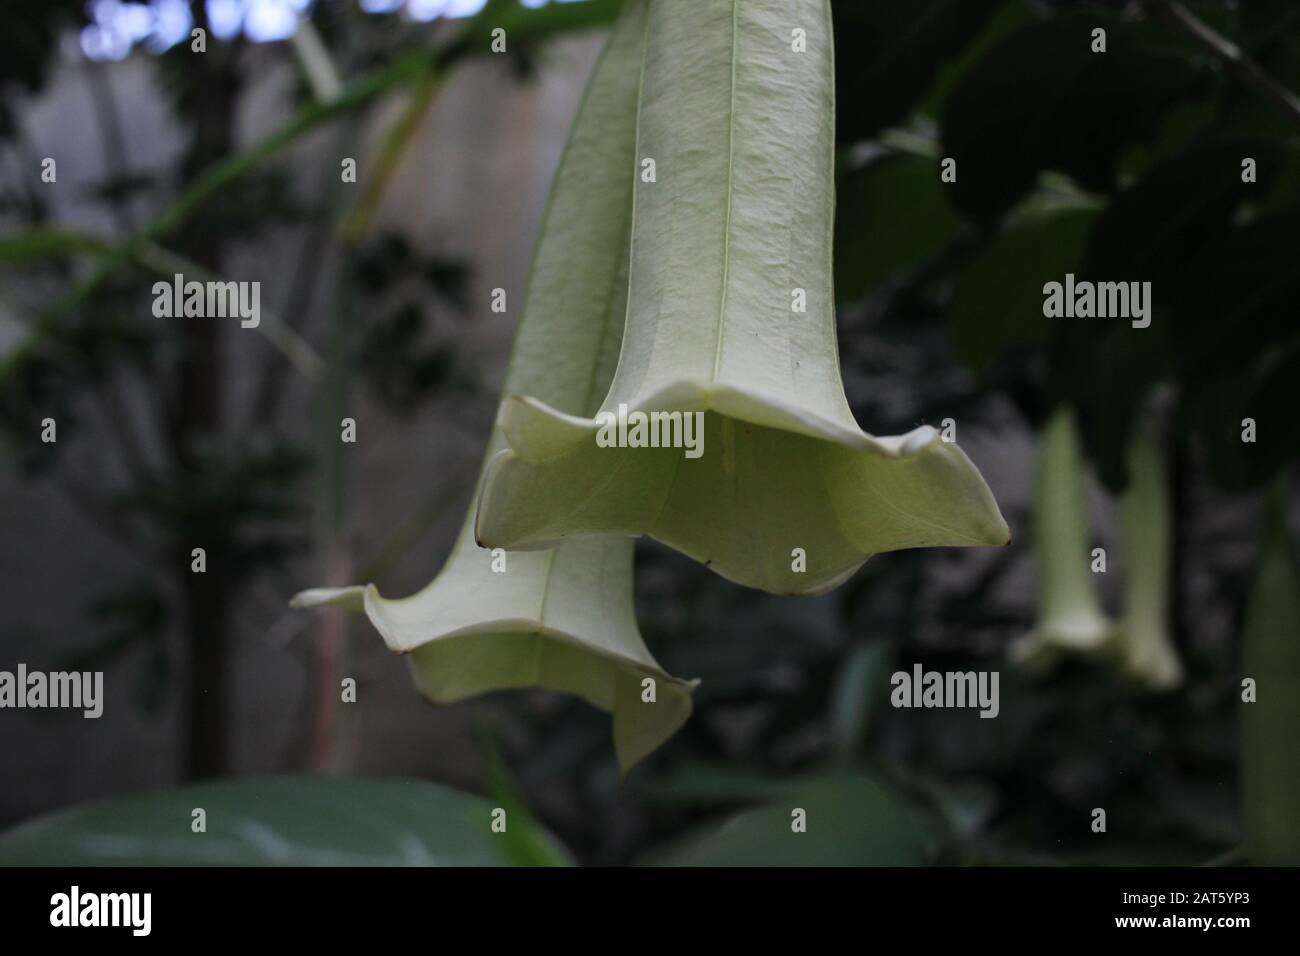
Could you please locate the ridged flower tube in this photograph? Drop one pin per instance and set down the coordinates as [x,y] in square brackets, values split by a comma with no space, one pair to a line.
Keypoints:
[1070,618]
[729,353]
[563,618]
[1143,642]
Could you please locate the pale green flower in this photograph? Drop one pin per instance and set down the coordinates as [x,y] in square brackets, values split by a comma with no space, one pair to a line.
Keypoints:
[731,239]
[1143,643]
[563,618]
[1070,618]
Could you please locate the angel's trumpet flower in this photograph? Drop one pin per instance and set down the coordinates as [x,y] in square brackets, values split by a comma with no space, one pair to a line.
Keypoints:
[729,349]
[561,619]
[1070,618]
[1143,643]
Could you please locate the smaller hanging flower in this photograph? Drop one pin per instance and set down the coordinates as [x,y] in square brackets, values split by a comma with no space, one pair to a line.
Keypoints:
[1070,618]
[561,619]
[1143,643]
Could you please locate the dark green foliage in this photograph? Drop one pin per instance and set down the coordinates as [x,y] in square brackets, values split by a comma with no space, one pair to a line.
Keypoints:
[409,288]
[1040,100]
[888,54]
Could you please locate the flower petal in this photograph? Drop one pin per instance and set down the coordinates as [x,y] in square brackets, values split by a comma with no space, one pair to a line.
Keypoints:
[730,313]
[560,619]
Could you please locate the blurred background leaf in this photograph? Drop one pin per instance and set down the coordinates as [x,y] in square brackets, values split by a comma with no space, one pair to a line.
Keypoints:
[1270,759]
[285,821]
[850,820]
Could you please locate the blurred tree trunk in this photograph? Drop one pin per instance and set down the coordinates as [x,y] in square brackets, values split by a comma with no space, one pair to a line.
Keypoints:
[213,87]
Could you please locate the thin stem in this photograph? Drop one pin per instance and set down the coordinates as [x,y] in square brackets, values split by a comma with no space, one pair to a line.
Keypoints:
[1234,60]
[396,142]
[317,64]
[43,243]
[271,387]
[228,171]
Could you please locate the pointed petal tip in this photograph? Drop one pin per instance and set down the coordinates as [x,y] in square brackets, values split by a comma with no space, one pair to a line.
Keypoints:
[349,598]
[918,440]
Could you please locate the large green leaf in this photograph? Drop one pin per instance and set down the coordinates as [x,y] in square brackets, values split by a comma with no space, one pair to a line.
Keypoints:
[1149,230]
[893,218]
[1261,389]
[561,619]
[1270,21]
[997,300]
[857,695]
[896,50]
[284,821]
[1270,759]
[734,228]
[1042,100]
[851,820]
[1222,291]
[1224,329]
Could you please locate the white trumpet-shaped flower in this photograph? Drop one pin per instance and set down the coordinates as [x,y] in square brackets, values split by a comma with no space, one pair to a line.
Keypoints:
[1070,618]
[1143,643]
[563,618]
[730,314]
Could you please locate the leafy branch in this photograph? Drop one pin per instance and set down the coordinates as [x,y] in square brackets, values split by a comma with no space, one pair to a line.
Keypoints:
[1231,56]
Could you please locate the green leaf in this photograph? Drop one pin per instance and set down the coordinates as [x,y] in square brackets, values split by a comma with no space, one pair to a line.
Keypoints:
[1105,369]
[735,227]
[521,836]
[1041,100]
[1234,301]
[1149,230]
[532,25]
[281,821]
[561,619]
[997,302]
[1223,329]
[850,821]
[1270,759]
[1222,291]
[893,218]
[859,692]
[1260,389]
[1268,21]
[716,783]
[896,51]
[34,245]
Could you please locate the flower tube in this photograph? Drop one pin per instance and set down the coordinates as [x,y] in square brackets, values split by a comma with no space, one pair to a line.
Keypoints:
[1143,642]
[1070,618]
[725,432]
[563,618]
